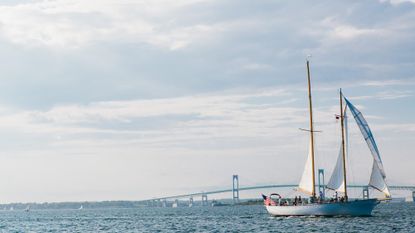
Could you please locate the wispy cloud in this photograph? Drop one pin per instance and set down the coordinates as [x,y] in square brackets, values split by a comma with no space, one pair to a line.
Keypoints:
[397,128]
[392,82]
[396,2]
[182,119]
[341,31]
[385,95]
[73,24]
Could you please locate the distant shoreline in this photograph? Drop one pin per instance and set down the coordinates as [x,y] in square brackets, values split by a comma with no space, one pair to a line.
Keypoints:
[122,204]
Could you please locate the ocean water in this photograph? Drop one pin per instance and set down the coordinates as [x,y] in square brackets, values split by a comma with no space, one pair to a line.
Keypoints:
[391,217]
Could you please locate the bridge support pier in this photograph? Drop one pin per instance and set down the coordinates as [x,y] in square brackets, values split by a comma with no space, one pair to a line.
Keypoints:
[164,203]
[366,192]
[175,203]
[321,184]
[204,200]
[190,201]
[235,189]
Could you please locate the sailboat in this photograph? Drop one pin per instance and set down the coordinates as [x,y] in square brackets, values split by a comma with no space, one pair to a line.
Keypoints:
[318,205]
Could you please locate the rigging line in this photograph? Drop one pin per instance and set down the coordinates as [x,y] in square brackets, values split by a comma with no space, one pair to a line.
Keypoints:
[349,157]
[324,140]
[320,158]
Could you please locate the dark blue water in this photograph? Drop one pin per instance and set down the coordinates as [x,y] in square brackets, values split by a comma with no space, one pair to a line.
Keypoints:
[392,217]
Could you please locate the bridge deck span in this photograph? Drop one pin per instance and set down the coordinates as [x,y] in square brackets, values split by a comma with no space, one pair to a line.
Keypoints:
[392,187]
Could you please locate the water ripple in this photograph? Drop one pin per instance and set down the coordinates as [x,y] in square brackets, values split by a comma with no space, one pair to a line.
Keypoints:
[390,217]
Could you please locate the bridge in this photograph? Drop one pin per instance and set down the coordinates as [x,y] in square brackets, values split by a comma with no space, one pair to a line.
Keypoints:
[236,189]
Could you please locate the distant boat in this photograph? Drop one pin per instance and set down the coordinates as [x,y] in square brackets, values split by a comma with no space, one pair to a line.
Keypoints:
[81,207]
[319,206]
[27,209]
[175,205]
[11,208]
[217,203]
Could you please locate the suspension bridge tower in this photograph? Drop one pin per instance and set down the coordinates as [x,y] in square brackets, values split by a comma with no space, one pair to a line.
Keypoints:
[235,189]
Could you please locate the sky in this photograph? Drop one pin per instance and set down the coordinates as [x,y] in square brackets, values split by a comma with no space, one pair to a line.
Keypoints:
[128,100]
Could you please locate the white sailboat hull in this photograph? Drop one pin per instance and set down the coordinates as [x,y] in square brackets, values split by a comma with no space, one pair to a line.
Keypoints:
[351,208]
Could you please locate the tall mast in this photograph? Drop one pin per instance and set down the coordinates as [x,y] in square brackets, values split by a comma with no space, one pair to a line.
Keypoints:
[311,128]
[343,147]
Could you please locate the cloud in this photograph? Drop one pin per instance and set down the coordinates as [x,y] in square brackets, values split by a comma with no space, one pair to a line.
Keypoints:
[386,95]
[397,128]
[338,30]
[75,23]
[159,122]
[202,105]
[212,121]
[396,2]
[392,82]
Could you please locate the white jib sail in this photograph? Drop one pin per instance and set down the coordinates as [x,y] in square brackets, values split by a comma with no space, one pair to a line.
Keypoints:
[336,181]
[377,181]
[306,183]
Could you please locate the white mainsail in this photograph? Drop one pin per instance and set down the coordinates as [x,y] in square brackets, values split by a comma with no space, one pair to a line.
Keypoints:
[336,181]
[378,176]
[306,183]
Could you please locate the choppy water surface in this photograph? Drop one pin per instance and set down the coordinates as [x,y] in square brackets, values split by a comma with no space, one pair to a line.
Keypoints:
[393,217]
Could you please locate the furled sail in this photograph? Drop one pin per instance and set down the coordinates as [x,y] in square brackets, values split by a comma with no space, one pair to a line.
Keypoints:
[336,181]
[377,178]
[306,183]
